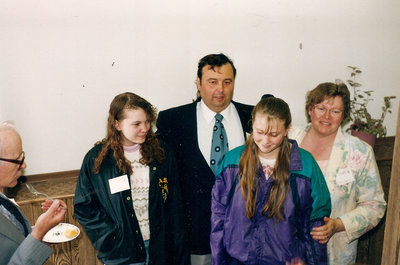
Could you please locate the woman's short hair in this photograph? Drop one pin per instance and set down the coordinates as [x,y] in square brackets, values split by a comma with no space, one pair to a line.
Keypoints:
[325,91]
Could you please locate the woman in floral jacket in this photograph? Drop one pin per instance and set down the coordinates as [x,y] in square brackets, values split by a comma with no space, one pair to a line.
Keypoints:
[349,168]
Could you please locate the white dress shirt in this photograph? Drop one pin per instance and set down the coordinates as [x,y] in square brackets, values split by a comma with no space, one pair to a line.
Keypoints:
[205,124]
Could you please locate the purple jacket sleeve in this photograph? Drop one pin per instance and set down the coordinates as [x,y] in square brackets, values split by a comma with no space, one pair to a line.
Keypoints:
[316,252]
[218,207]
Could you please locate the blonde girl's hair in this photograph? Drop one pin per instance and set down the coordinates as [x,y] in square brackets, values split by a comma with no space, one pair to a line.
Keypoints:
[250,166]
[151,149]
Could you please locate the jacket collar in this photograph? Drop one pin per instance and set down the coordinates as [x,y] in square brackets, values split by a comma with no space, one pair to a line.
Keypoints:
[10,230]
[295,160]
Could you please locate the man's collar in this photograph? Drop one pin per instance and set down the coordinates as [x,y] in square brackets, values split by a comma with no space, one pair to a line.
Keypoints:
[209,115]
[10,199]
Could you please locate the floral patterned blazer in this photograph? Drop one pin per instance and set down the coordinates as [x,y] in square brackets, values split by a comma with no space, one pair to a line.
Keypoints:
[356,191]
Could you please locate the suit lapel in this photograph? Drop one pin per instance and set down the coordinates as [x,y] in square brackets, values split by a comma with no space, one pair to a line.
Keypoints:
[244,115]
[8,229]
[189,127]
[189,124]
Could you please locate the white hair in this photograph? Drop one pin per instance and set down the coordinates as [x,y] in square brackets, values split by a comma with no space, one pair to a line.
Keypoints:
[4,127]
[7,125]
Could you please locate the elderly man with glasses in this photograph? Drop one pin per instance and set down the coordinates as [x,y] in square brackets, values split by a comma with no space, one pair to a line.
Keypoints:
[19,244]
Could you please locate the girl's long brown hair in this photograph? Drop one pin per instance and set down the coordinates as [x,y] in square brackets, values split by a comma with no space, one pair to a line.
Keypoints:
[151,149]
[249,163]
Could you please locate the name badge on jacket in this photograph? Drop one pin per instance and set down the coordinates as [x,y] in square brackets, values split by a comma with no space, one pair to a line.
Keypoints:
[119,184]
[344,176]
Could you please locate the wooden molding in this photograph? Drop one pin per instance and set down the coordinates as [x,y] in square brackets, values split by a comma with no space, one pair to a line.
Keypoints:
[53,175]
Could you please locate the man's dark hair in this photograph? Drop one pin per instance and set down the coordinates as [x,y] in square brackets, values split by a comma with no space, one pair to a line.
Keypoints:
[214,60]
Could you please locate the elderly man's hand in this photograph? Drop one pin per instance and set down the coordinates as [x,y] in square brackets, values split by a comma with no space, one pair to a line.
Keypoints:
[54,215]
[46,204]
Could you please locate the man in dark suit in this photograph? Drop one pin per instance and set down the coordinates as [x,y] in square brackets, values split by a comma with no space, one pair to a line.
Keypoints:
[19,244]
[189,130]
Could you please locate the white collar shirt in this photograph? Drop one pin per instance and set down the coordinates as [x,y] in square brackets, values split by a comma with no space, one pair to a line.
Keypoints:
[205,124]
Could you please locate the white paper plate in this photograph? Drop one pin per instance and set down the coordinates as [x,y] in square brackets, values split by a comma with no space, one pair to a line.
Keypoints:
[61,233]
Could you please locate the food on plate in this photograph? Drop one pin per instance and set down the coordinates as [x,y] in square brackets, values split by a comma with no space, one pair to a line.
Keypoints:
[70,233]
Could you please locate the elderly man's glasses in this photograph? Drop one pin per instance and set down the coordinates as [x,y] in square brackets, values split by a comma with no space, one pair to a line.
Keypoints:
[16,161]
[335,113]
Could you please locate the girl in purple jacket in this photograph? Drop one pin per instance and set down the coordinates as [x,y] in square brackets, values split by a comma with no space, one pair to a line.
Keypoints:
[267,197]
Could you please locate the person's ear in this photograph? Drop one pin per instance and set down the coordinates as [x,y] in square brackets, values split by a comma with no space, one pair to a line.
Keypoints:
[287,131]
[198,83]
[309,111]
[117,126]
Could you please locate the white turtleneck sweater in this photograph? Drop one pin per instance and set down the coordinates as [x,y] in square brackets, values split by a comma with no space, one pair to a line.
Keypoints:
[140,182]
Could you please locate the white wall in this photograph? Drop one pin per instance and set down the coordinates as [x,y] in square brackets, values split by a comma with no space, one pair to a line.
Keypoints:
[62,62]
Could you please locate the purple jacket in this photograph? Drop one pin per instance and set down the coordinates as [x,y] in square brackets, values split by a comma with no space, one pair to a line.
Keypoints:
[235,239]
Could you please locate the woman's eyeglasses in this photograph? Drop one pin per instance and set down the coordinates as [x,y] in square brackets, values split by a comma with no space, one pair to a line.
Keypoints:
[334,113]
[16,161]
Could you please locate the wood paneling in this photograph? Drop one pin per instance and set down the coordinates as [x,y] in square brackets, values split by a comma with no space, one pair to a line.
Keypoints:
[391,245]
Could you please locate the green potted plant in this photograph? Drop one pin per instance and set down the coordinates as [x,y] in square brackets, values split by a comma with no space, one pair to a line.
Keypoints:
[362,121]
